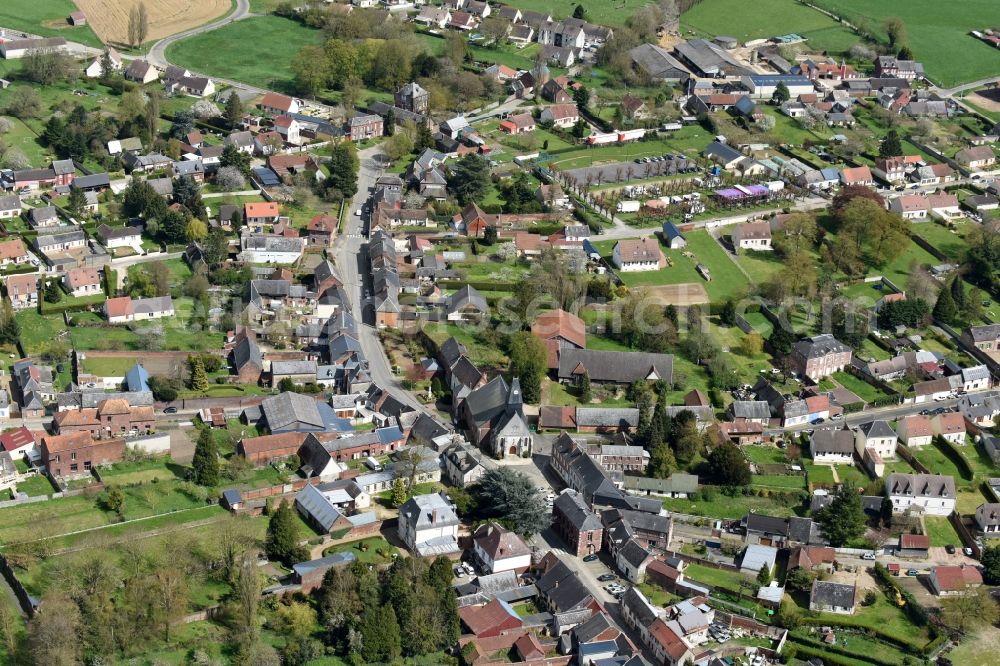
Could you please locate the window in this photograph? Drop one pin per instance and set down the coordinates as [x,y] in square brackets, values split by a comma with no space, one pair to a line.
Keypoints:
[86,465]
[74,467]
[72,456]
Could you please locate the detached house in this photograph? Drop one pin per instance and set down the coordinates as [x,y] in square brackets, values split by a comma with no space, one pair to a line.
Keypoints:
[76,453]
[829,597]
[988,518]
[559,330]
[428,525]
[561,115]
[752,236]
[521,123]
[951,426]
[832,446]
[277,104]
[976,157]
[13,253]
[499,549]
[954,580]
[877,436]
[22,291]
[820,356]
[83,281]
[125,309]
[365,126]
[641,254]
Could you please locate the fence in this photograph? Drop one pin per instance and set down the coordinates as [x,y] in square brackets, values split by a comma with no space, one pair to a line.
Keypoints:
[23,598]
[904,453]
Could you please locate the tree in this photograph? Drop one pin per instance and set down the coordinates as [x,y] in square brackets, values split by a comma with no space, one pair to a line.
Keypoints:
[398,145]
[282,541]
[781,93]
[246,598]
[232,157]
[199,379]
[972,609]
[990,562]
[470,178]
[195,230]
[581,96]
[311,70]
[205,463]
[343,170]
[529,363]
[799,580]
[53,293]
[764,575]
[494,29]
[585,390]
[728,314]
[891,145]
[661,461]
[895,30]
[77,201]
[399,492]
[230,179]
[510,497]
[380,642]
[10,330]
[843,519]
[138,25]
[729,466]
[905,53]
[114,500]
[945,309]
[752,344]
[234,110]
[54,634]
[24,103]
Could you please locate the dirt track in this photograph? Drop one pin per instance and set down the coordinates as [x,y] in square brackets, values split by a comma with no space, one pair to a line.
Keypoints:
[109,18]
[687,293]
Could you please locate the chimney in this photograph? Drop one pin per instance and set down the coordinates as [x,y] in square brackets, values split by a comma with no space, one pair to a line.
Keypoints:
[434,517]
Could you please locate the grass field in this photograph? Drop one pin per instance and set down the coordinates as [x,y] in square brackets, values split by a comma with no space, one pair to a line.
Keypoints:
[48,18]
[374,550]
[860,388]
[950,243]
[941,532]
[224,52]
[35,486]
[938,33]
[723,506]
[768,18]
[598,11]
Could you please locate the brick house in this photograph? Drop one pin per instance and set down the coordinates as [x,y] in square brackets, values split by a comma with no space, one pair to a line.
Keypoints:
[365,126]
[321,230]
[578,526]
[111,418]
[77,453]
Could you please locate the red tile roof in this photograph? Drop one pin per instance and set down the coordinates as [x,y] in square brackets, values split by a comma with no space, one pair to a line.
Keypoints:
[916,541]
[951,578]
[493,617]
[15,439]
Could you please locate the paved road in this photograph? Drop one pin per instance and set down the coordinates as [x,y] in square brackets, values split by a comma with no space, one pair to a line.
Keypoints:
[354,272]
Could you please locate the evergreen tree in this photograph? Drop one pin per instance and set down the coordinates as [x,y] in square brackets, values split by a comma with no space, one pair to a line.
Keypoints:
[53,293]
[199,379]
[399,494]
[234,110]
[891,146]
[389,127]
[10,330]
[77,201]
[729,466]
[282,541]
[670,312]
[958,293]
[380,634]
[343,170]
[424,139]
[585,390]
[232,157]
[728,315]
[470,178]
[205,462]
[661,462]
[843,519]
[764,576]
[108,70]
[781,93]
[945,309]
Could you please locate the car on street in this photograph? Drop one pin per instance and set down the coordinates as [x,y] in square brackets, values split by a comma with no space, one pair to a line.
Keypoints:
[169,410]
[868,556]
[604,578]
[912,572]
[967,551]
[590,558]
[950,549]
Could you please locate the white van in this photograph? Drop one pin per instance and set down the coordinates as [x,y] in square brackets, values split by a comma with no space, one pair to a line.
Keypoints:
[373,464]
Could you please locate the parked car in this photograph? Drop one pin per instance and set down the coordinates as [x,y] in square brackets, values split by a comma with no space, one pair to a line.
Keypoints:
[967,551]
[868,556]
[170,410]
[590,558]
[950,549]
[912,572]
[604,578]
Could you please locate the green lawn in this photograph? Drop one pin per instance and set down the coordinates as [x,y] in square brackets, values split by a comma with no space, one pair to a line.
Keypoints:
[35,486]
[937,462]
[48,18]
[938,33]
[727,280]
[951,243]
[769,18]
[941,532]
[715,577]
[223,52]
[367,550]
[881,616]
[859,387]
[109,366]
[723,506]
[760,266]
[602,12]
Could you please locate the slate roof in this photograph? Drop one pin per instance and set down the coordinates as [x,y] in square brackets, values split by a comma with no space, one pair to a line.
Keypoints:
[877,430]
[920,485]
[572,505]
[828,593]
[819,346]
[833,441]
[614,366]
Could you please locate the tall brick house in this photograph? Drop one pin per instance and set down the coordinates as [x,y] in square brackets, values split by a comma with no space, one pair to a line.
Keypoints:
[820,356]
[578,526]
[77,453]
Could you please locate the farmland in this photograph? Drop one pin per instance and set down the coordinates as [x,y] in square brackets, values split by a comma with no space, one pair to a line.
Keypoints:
[223,52]
[768,18]
[605,13]
[47,18]
[938,33]
[109,18]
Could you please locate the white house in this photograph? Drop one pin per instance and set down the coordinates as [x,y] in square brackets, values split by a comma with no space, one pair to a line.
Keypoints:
[976,378]
[96,68]
[934,494]
[499,549]
[125,309]
[830,597]
[878,436]
[988,518]
[752,236]
[83,280]
[832,446]
[951,426]
[428,525]
[561,115]
[641,254]
[271,249]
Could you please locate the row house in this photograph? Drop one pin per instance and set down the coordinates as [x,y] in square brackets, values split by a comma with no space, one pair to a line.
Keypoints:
[111,418]
[77,453]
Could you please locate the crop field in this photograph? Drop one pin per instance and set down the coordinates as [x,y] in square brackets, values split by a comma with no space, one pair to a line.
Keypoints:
[48,18]
[938,33]
[604,12]
[109,18]
[223,52]
[767,18]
